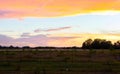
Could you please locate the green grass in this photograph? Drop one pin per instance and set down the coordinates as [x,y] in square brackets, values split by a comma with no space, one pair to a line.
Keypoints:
[60,62]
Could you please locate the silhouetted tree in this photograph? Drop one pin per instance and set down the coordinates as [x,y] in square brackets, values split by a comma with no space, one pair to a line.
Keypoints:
[10,47]
[0,47]
[106,44]
[26,47]
[87,44]
[97,44]
[117,45]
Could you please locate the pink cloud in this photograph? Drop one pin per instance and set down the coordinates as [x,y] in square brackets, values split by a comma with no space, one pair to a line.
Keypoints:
[54,8]
[38,40]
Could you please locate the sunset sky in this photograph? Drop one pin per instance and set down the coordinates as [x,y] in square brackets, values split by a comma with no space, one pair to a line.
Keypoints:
[58,22]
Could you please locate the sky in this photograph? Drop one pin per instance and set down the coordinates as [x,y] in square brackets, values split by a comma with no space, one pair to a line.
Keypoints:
[59,23]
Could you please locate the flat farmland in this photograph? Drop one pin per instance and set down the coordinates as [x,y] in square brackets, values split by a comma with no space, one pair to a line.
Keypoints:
[60,62]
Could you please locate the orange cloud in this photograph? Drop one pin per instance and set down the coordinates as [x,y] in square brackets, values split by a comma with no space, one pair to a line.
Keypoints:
[53,8]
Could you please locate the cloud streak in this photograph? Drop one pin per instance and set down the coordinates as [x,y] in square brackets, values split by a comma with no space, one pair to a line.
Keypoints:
[51,30]
[25,35]
[54,8]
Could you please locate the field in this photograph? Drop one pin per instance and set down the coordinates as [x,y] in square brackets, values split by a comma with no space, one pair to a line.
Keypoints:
[60,62]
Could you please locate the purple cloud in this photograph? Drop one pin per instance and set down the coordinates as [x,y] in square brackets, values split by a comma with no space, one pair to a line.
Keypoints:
[5,40]
[38,40]
[4,12]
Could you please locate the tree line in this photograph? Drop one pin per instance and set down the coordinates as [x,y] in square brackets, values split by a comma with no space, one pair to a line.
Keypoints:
[39,47]
[100,44]
[87,44]
[25,47]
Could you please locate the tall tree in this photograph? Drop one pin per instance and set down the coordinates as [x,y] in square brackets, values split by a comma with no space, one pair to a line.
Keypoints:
[117,45]
[97,44]
[87,44]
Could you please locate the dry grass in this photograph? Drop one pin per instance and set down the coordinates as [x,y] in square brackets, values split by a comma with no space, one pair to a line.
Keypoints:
[60,62]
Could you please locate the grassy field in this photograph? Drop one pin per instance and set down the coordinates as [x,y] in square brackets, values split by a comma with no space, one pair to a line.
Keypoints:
[60,62]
